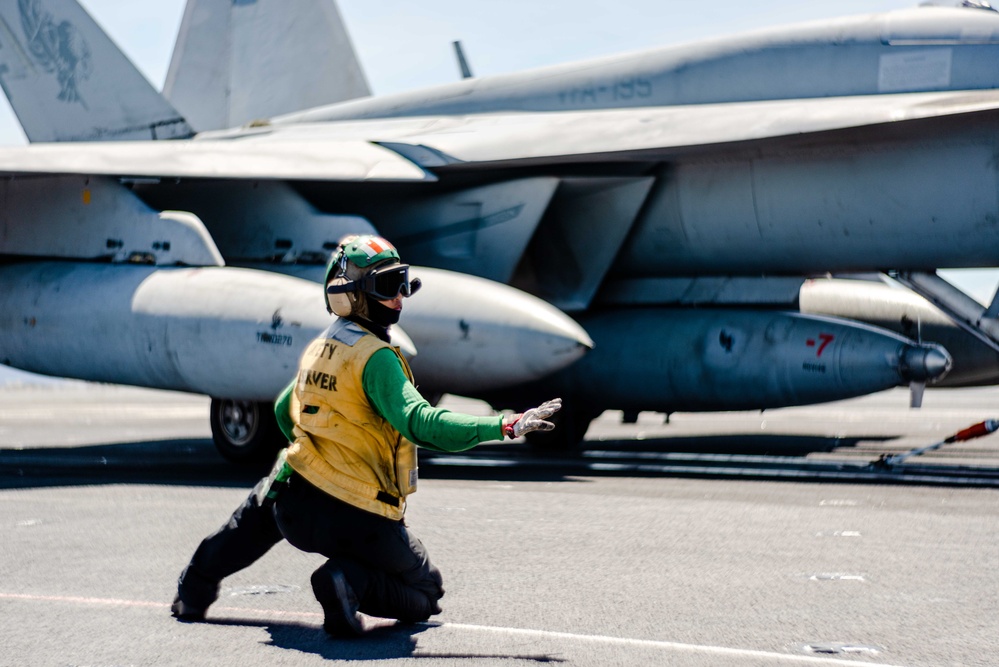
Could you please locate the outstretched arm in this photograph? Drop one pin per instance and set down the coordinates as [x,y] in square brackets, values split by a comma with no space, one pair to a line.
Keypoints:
[396,399]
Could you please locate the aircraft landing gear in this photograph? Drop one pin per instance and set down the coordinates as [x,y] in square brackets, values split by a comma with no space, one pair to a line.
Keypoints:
[245,432]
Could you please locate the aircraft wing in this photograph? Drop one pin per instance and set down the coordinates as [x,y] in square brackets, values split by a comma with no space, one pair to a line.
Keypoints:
[656,133]
[405,149]
[335,160]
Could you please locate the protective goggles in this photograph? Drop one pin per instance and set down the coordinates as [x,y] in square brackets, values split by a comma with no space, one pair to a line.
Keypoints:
[384,284]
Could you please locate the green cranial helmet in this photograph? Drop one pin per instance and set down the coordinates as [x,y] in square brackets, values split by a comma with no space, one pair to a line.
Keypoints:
[365,265]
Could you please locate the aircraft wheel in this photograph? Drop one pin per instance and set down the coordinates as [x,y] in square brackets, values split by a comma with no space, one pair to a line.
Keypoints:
[245,432]
[570,427]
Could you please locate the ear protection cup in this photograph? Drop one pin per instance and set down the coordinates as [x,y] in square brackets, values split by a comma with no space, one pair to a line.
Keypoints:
[341,305]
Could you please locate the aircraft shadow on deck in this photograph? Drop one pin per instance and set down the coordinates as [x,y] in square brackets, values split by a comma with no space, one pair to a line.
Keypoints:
[608,458]
[749,444]
[195,462]
[191,462]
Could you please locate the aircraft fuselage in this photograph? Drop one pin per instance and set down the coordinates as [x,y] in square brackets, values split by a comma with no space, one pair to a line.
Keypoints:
[902,51]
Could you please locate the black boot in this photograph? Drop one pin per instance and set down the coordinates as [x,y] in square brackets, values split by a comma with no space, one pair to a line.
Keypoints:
[338,601]
[185,612]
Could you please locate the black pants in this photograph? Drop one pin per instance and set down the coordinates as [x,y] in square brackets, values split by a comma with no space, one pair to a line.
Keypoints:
[386,565]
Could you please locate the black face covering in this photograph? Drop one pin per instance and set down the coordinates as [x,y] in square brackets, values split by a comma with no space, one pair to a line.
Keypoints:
[382,315]
[376,318]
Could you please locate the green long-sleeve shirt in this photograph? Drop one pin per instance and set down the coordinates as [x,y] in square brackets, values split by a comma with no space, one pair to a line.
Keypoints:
[395,398]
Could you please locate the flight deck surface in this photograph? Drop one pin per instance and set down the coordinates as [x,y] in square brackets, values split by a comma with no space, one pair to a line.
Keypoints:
[550,558]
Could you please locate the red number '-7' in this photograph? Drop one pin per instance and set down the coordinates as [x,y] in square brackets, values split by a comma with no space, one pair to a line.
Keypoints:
[825,340]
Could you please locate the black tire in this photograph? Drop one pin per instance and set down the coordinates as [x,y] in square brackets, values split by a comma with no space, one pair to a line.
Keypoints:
[246,432]
[570,427]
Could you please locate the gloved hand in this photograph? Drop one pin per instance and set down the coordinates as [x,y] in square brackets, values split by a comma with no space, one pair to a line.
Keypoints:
[517,425]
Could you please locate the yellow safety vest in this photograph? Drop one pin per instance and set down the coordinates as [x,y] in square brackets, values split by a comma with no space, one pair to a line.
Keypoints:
[342,445]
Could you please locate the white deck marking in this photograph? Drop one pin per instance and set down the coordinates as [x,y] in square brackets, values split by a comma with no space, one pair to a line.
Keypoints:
[672,646]
[593,639]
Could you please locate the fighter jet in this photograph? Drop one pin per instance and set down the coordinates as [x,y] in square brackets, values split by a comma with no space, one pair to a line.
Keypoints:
[674,202]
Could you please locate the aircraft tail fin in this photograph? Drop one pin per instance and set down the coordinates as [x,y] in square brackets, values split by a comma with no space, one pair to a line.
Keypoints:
[239,61]
[67,81]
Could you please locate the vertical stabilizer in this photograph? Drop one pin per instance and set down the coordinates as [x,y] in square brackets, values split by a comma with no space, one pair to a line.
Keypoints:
[67,81]
[236,61]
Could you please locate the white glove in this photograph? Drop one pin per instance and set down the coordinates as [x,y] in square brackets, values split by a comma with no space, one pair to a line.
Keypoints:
[517,425]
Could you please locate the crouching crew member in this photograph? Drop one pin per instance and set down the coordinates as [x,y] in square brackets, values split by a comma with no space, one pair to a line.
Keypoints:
[352,416]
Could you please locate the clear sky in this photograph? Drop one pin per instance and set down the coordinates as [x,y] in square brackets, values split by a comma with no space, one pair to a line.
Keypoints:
[404,44]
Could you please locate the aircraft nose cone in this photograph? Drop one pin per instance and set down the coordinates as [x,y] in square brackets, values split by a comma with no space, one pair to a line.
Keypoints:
[924,363]
[556,333]
[474,335]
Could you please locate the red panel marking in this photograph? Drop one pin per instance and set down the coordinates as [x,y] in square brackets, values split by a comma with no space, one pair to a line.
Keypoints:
[826,339]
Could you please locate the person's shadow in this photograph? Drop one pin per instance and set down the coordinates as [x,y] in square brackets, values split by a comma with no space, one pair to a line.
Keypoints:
[386,642]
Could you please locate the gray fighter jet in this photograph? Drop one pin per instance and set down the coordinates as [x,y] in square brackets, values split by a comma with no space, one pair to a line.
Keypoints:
[674,202]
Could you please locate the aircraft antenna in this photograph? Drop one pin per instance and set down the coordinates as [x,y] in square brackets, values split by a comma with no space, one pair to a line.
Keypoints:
[466,71]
